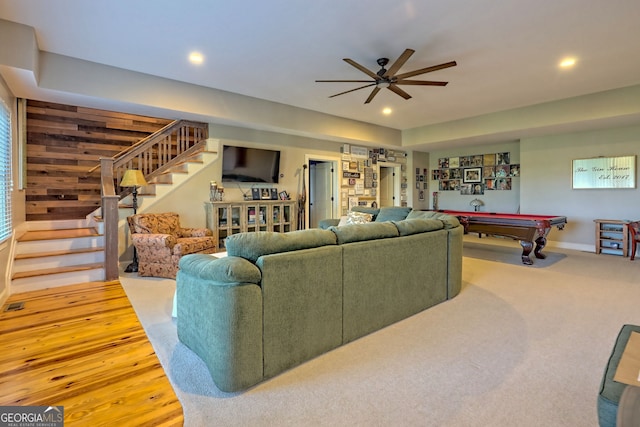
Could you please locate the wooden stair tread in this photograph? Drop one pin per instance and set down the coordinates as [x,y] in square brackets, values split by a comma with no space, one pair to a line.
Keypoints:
[71,233]
[57,270]
[57,253]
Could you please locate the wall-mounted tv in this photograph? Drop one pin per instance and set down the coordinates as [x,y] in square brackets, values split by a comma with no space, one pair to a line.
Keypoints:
[244,164]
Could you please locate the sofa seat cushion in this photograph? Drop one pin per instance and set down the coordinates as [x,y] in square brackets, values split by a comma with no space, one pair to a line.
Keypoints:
[450,221]
[252,246]
[192,245]
[392,213]
[228,270]
[406,227]
[362,232]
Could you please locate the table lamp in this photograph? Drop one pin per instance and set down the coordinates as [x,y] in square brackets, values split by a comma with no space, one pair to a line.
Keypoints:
[476,203]
[133,178]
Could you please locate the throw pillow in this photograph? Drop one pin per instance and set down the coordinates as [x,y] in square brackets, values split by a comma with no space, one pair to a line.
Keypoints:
[343,221]
[358,218]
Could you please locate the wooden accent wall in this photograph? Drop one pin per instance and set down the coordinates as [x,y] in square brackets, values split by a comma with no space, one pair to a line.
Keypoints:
[63,143]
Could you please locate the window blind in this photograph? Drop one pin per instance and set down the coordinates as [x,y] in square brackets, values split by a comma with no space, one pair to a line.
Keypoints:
[6,179]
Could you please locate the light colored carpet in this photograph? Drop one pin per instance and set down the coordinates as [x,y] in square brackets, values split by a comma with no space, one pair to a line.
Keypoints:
[518,347]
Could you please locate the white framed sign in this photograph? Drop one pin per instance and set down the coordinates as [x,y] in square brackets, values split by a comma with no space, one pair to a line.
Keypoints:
[604,172]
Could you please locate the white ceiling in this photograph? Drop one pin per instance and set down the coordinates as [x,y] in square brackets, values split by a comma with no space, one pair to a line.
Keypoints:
[507,52]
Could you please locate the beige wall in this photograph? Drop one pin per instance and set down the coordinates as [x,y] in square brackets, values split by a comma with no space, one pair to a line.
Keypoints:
[494,201]
[544,186]
[546,181]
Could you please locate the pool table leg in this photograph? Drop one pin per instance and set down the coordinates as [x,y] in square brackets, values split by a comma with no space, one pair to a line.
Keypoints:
[526,250]
[541,242]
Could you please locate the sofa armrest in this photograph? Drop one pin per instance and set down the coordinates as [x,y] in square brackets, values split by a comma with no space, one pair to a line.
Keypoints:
[219,305]
[195,232]
[159,241]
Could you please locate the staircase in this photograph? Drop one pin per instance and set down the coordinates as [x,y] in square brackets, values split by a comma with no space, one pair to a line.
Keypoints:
[56,253]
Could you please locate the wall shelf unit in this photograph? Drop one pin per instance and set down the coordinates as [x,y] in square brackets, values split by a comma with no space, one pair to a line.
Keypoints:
[227,218]
[612,237]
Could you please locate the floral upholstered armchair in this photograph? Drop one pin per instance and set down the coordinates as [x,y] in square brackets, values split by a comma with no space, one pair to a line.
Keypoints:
[160,242]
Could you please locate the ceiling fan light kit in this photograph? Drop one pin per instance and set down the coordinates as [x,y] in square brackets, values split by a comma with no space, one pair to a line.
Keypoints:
[388,78]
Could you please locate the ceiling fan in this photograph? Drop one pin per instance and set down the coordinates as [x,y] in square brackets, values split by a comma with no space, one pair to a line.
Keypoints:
[389,79]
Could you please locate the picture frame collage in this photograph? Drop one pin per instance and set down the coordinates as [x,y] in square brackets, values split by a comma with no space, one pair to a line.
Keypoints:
[472,175]
[422,182]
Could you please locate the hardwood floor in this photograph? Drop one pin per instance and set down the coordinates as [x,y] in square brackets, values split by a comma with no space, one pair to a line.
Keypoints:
[83,347]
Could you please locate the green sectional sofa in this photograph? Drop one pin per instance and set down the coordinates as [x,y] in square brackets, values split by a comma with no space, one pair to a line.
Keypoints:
[280,299]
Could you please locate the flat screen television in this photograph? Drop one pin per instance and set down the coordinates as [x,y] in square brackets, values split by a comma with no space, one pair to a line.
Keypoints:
[244,164]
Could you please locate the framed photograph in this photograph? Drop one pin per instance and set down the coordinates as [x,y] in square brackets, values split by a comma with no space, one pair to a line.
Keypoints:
[345,166]
[466,189]
[274,193]
[503,184]
[255,193]
[470,175]
[284,195]
[265,194]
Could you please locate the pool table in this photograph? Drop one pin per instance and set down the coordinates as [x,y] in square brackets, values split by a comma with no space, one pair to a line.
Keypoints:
[525,228]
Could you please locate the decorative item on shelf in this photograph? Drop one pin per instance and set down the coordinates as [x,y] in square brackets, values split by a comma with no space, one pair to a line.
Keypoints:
[216,192]
[476,203]
[133,178]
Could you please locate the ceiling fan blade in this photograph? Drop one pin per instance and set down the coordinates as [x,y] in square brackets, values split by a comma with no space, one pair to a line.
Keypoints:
[397,90]
[399,62]
[374,92]
[369,73]
[421,83]
[352,90]
[344,81]
[426,70]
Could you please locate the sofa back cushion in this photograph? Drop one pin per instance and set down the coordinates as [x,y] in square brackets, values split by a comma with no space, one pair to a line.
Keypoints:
[407,227]
[252,246]
[392,213]
[362,232]
[155,223]
[449,221]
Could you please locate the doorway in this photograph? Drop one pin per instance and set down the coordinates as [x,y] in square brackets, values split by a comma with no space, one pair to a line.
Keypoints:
[389,186]
[322,194]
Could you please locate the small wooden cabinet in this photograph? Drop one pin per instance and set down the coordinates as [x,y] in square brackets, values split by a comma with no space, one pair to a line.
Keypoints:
[612,237]
[227,218]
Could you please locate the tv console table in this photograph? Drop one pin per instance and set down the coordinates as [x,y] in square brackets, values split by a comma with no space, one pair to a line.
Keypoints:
[227,218]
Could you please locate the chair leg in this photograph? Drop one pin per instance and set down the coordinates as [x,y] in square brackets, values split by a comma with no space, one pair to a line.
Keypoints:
[633,250]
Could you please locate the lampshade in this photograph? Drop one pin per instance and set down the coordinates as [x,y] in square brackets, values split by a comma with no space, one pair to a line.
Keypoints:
[133,178]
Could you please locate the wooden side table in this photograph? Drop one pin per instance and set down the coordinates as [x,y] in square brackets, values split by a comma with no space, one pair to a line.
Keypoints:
[612,236]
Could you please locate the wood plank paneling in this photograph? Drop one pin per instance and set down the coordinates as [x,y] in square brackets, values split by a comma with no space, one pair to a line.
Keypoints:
[63,143]
[82,347]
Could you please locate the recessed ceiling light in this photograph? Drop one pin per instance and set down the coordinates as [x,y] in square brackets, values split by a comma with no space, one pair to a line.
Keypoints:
[196,58]
[386,111]
[567,62]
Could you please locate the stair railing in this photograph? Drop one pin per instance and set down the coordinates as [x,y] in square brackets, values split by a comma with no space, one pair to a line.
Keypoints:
[153,155]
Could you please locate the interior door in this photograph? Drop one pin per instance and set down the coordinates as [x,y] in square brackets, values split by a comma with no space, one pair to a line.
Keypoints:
[387,186]
[320,192]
